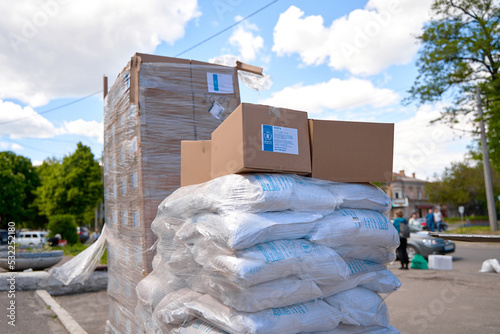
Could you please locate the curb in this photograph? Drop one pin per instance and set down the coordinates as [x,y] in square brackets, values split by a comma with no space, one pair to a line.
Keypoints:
[43,280]
[64,317]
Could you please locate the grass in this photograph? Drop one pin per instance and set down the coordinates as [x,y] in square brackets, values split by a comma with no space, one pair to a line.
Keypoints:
[458,220]
[474,230]
[73,250]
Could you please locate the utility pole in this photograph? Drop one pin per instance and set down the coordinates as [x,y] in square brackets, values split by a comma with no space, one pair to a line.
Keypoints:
[492,212]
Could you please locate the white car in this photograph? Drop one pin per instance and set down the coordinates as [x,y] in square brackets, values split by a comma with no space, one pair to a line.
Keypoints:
[31,238]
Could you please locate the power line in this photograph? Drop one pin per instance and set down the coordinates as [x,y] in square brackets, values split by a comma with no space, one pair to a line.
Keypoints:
[226,29]
[53,109]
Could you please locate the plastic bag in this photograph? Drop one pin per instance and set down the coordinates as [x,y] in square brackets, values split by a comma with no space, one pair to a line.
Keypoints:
[490,266]
[269,192]
[365,274]
[171,309]
[79,268]
[239,230]
[198,326]
[361,307]
[309,316]
[272,260]
[277,293]
[418,262]
[354,227]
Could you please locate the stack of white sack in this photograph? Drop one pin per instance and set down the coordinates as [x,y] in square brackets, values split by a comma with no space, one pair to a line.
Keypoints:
[270,253]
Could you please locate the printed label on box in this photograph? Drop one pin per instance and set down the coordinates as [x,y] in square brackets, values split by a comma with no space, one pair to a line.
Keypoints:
[220,83]
[279,139]
[217,110]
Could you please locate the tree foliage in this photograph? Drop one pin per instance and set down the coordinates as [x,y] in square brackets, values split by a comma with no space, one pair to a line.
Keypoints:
[73,186]
[462,184]
[65,226]
[461,51]
[18,181]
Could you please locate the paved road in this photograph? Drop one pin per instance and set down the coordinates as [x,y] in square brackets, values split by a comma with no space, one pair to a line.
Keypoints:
[458,301]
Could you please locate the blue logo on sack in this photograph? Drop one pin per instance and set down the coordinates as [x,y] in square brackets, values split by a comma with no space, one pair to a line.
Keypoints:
[267,138]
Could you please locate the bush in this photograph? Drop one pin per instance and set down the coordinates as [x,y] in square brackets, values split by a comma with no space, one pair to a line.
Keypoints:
[64,225]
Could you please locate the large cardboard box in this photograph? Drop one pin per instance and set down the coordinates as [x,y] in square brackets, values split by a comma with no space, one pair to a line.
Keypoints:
[195,161]
[259,138]
[351,151]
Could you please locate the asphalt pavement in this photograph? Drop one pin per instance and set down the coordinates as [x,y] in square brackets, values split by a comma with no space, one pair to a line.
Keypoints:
[430,301]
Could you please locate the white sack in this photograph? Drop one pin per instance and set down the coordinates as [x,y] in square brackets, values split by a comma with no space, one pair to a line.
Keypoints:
[349,329]
[171,309]
[273,260]
[366,274]
[239,230]
[198,326]
[269,192]
[277,293]
[309,316]
[361,307]
[355,227]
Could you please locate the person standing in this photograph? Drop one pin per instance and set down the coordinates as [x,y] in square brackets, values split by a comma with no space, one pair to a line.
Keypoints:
[401,225]
[438,219]
[430,220]
[413,220]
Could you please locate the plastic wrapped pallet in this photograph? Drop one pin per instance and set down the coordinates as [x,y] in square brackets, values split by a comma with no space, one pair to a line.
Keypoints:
[154,103]
[245,248]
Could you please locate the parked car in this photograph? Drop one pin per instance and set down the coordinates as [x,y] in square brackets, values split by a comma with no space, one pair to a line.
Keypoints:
[83,233]
[421,224]
[31,238]
[421,243]
[4,237]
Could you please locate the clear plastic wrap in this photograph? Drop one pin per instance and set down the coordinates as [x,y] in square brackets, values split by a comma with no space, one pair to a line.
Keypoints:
[154,104]
[251,80]
[79,268]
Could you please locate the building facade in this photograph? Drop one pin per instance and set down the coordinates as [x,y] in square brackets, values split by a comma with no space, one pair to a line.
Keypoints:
[407,193]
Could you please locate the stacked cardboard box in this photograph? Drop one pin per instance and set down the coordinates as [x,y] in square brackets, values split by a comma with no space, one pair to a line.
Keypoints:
[154,103]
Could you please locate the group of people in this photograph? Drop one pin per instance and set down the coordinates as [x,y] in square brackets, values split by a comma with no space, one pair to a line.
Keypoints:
[434,219]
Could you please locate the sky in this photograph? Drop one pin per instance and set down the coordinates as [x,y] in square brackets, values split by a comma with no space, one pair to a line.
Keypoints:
[337,60]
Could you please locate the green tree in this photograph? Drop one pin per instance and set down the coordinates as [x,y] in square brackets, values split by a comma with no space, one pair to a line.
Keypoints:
[72,186]
[65,226]
[462,184]
[18,181]
[461,51]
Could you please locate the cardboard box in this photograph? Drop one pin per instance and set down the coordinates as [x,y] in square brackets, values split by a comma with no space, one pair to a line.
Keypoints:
[441,262]
[195,161]
[351,151]
[259,138]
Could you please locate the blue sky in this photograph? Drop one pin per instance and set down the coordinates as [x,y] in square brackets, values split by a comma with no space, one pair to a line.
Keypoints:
[342,60]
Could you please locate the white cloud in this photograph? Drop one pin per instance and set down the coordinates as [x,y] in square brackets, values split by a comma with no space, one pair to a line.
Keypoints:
[19,122]
[427,148]
[85,128]
[365,42]
[335,94]
[248,44]
[61,48]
